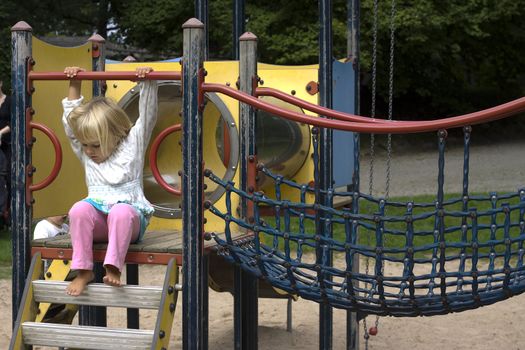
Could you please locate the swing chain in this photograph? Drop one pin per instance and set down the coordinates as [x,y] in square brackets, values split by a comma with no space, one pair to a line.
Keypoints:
[390,94]
[372,139]
[374,90]
[389,136]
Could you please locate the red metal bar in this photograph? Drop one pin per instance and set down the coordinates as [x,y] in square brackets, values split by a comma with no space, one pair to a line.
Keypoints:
[157,258]
[136,257]
[327,112]
[384,127]
[153,158]
[58,157]
[164,75]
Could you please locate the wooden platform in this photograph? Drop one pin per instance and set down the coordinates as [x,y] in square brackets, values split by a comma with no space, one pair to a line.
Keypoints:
[157,247]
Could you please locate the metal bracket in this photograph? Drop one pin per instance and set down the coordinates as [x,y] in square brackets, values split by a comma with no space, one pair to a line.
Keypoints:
[30,63]
[200,97]
[312,88]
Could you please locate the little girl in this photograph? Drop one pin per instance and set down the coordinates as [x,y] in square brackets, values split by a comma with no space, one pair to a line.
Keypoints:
[111,150]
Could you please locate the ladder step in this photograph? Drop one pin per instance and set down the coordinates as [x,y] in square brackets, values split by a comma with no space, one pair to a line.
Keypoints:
[84,337]
[98,294]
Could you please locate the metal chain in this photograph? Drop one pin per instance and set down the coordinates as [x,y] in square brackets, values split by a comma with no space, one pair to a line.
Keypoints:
[374,92]
[372,140]
[389,136]
[390,94]
[390,113]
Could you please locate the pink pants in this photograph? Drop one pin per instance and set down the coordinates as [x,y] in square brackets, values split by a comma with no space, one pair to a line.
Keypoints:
[87,225]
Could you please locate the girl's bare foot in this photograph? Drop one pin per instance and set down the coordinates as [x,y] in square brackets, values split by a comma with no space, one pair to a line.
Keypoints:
[112,277]
[77,286]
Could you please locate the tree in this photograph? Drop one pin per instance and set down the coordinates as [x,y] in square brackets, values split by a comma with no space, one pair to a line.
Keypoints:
[53,17]
[451,57]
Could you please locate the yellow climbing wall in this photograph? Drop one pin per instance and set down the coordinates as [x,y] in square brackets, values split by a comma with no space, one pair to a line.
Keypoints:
[69,186]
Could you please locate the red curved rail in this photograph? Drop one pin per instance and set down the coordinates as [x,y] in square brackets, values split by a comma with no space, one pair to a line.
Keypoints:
[154,75]
[153,158]
[327,112]
[383,127]
[58,156]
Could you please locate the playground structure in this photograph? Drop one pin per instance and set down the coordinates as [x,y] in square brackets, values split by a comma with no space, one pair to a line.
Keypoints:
[283,145]
[283,263]
[47,203]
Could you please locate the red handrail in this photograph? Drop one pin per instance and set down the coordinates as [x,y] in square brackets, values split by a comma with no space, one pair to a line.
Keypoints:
[154,75]
[153,158]
[383,127]
[327,112]
[58,156]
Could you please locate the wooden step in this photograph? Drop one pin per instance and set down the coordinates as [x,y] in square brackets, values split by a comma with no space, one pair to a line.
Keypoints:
[27,332]
[98,294]
[84,337]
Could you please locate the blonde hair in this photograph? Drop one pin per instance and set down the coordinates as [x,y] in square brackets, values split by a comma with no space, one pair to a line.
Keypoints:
[101,121]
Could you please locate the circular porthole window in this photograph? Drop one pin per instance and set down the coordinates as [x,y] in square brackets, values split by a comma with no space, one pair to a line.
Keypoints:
[220,148]
[283,145]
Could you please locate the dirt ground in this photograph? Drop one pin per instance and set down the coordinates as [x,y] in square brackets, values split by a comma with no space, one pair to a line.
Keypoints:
[495,168]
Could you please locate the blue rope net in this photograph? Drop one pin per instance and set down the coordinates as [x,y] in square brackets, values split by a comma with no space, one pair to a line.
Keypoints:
[444,256]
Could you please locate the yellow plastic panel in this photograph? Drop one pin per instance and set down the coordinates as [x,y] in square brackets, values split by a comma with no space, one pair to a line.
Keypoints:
[292,79]
[69,186]
[221,72]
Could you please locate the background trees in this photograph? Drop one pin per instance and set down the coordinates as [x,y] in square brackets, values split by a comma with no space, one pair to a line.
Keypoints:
[451,56]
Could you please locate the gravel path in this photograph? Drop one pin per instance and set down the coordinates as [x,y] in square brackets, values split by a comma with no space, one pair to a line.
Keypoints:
[496,168]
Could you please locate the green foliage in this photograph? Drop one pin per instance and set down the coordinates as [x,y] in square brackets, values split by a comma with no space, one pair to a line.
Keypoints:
[451,57]
[5,60]
[53,17]
[286,30]
[5,247]
[5,254]
[155,25]
[5,45]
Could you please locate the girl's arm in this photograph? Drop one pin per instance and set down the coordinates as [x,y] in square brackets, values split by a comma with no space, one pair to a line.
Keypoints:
[73,100]
[147,107]
[74,85]
[5,130]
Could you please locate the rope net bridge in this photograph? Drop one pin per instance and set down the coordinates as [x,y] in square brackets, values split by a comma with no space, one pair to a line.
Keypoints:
[446,255]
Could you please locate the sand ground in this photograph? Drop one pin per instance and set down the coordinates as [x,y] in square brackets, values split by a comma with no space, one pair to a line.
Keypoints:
[499,326]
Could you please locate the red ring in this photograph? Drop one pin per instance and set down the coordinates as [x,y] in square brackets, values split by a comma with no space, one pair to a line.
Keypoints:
[153,158]
[58,156]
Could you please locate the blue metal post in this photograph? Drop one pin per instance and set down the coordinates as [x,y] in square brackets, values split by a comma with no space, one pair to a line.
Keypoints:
[132,278]
[97,315]
[201,13]
[353,37]
[326,152]
[238,25]
[242,283]
[98,52]
[205,301]
[21,203]
[246,285]
[192,185]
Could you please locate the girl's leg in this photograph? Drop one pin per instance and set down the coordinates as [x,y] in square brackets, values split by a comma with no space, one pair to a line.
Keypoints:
[84,223]
[123,227]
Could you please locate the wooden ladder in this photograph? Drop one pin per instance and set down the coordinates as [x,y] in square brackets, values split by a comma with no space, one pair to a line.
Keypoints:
[28,332]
